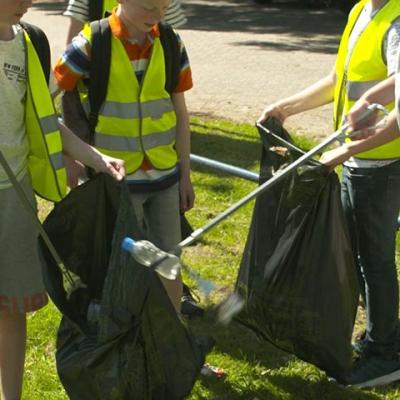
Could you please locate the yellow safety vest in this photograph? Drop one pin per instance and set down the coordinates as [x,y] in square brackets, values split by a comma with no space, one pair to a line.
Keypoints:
[137,120]
[365,68]
[108,5]
[45,159]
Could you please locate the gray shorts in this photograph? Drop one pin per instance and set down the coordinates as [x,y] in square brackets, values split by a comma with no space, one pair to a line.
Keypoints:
[21,285]
[158,216]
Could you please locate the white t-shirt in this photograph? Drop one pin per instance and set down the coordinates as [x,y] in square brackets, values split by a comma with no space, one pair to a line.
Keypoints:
[391,46]
[13,140]
[397,89]
[79,9]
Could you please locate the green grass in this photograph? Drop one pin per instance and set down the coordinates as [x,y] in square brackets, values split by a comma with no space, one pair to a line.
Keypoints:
[254,368]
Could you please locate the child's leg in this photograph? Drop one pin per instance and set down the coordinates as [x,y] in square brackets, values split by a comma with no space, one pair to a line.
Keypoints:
[162,219]
[174,291]
[21,285]
[12,354]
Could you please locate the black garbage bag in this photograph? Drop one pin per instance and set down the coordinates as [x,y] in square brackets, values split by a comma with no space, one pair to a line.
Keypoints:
[297,273]
[120,337]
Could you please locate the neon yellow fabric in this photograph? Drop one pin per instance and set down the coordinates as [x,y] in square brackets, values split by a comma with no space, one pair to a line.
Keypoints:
[108,5]
[45,147]
[137,120]
[365,69]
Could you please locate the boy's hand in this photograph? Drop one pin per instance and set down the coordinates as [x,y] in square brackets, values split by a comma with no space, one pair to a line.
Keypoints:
[75,170]
[186,194]
[274,110]
[112,166]
[365,128]
[333,158]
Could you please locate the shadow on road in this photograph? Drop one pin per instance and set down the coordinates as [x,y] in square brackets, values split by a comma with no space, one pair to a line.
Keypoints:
[51,7]
[312,30]
[281,17]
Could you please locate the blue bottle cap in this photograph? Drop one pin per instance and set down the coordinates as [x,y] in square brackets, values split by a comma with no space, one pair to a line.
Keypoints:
[128,244]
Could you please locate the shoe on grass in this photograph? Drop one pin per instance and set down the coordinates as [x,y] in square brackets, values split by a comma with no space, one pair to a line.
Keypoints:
[360,343]
[372,370]
[189,304]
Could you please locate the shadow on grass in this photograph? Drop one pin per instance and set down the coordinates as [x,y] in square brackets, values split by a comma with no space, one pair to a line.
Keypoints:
[222,390]
[240,343]
[237,151]
[299,388]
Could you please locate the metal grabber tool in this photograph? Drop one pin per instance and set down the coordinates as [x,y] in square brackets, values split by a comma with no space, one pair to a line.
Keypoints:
[71,281]
[172,270]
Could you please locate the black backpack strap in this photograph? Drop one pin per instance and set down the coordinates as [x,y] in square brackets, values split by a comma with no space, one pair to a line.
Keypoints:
[99,69]
[41,45]
[172,55]
[95,10]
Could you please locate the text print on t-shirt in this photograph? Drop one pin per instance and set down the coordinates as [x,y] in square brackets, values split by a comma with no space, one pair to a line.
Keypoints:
[14,72]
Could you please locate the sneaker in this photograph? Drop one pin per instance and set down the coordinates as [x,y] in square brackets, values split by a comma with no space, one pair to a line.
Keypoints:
[360,344]
[189,304]
[371,370]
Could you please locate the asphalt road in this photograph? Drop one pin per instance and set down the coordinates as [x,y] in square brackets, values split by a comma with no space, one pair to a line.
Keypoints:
[243,55]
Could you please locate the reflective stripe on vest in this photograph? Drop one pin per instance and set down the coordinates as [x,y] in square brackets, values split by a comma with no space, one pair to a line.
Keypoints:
[45,159]
[137,120]
[365,69]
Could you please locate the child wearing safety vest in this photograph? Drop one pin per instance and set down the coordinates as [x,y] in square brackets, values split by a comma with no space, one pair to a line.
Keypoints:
[371,179]
[139,120]
[81,12]
[32,141]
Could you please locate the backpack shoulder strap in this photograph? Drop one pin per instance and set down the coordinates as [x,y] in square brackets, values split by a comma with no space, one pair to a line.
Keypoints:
[41,45]
[95,10]
[172,55]
[99,68]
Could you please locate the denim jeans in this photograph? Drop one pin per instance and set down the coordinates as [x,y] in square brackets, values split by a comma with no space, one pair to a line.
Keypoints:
[371,202]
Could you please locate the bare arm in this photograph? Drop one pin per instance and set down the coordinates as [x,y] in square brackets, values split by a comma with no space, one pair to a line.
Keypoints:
[318,94]
[75,26]
[183,150]
[88,155]
[382,93]
[341,154]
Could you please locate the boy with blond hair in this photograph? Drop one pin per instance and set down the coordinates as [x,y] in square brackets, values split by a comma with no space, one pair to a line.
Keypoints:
[140,121]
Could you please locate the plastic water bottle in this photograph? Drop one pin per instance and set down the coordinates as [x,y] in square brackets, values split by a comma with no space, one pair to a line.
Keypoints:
[149,255]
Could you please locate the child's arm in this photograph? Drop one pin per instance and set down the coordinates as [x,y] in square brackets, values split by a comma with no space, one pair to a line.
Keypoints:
[342,153]
[75,26]
[382,93]
[81,151]
[183,150]
[315,95]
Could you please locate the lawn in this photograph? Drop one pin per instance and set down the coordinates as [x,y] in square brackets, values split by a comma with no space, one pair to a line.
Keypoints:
[254,369]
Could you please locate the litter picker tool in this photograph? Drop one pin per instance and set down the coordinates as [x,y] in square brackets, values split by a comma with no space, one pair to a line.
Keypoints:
[71,281]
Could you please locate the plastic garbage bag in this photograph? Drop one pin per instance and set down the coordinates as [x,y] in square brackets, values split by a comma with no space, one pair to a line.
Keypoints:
[297,272]
[120,337]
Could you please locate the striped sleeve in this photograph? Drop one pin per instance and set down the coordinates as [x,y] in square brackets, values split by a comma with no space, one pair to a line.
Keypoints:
[185,81]
[174,15]
[78,9]
[74,63]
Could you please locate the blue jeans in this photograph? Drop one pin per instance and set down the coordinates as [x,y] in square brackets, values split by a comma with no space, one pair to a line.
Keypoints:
[371,202]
